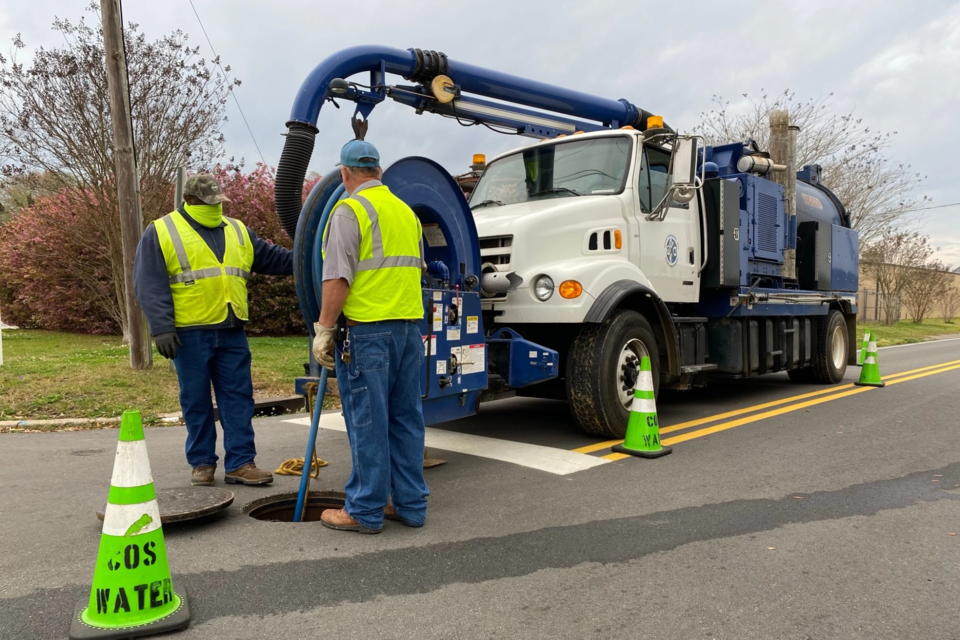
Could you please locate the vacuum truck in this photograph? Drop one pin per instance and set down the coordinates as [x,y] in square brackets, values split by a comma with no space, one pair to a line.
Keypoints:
[611,238]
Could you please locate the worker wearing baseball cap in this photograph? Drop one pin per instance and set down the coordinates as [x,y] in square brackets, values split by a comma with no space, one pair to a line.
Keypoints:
[371,287]
[190,276]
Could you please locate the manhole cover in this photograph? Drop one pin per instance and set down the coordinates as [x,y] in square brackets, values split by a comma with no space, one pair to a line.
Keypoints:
[87,452]
[280,507]
[187,503]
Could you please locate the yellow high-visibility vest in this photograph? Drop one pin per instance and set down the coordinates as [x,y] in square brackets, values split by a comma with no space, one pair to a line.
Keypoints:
[386,285]
[201,285]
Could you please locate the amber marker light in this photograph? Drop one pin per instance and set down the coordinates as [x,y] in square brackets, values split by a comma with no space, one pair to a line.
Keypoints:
[617,238]
[655,122]
[570,289]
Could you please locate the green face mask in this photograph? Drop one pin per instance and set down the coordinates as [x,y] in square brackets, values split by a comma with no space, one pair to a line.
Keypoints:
[209,215]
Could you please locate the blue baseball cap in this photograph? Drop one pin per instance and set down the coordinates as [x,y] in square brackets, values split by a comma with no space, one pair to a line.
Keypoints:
[359,153]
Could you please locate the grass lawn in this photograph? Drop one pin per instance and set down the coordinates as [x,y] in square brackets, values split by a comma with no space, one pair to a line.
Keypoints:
[55,375]
[907,332]
[62,375]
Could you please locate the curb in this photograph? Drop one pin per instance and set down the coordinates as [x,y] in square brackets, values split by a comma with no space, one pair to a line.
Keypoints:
[59,422]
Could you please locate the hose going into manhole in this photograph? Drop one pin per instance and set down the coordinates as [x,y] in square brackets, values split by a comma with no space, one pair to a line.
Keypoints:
[294,466]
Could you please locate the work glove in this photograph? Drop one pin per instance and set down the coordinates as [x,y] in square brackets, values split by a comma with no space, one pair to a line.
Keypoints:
[323,344]
[167,344]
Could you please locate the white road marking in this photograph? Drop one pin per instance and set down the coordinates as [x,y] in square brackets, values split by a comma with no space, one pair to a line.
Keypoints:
[549,459]
[917,344]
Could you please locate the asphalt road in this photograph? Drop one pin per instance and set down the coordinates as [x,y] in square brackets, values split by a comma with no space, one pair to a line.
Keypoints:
[785,511]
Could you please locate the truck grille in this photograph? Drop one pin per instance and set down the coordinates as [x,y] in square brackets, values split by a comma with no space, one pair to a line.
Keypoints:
[496,250]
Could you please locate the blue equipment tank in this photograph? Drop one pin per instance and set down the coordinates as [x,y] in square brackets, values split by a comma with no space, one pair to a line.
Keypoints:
[457,355]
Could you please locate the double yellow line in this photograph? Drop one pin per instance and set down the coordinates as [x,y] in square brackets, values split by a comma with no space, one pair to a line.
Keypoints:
[801,401]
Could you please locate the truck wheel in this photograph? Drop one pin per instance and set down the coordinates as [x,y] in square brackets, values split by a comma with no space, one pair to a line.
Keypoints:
[602,371]
[830,359]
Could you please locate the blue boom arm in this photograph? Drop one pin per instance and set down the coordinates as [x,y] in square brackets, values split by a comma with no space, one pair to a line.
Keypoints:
[542,111]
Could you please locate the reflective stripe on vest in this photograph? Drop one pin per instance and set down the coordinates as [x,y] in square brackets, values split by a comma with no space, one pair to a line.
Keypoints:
[386,284]
[202,287]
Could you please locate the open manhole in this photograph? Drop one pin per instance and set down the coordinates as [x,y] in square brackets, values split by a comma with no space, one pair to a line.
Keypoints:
[280,507]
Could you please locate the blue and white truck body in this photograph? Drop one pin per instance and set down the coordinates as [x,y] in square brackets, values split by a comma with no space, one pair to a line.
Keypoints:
[609,239]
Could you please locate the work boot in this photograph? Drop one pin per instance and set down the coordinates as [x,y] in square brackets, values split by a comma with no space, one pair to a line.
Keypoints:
[249,474]
[390,513]
[340,520]
[202,476]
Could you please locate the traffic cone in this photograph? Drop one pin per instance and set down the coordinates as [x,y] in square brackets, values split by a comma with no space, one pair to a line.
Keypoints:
[643,429]
[863,349]
[870,373]
[132,593]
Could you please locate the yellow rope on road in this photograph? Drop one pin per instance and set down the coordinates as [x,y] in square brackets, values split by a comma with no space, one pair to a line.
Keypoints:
[294,466]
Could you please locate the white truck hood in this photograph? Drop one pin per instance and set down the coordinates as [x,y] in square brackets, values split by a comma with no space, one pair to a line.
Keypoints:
[549,217]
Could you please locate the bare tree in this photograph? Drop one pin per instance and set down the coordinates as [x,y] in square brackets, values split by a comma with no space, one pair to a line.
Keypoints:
[55,120]
[891,263]
[924,288]
[950,300]
[874,188]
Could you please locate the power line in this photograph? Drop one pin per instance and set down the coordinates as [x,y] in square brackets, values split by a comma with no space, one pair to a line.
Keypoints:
[939,206]
[232,92]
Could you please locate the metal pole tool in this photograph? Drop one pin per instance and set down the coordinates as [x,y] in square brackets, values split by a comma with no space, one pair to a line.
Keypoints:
[302,496]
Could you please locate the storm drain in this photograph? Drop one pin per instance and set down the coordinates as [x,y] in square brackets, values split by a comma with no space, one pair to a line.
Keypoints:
[280,507]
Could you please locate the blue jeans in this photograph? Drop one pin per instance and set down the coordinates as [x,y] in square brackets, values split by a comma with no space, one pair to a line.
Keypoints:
[380,394]
[220,357]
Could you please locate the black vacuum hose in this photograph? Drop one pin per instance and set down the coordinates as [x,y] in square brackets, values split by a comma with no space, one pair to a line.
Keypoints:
[288,188]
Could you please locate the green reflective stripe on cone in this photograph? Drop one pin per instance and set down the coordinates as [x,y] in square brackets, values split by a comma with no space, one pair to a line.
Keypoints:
[131,428]
[863,349]
[132,495]
[870,371]
[643,429]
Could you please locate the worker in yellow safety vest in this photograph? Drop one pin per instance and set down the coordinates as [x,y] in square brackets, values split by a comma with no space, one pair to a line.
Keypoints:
[190,276]
[369,329]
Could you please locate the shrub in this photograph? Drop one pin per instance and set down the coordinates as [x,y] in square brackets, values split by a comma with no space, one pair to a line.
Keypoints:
[55,268]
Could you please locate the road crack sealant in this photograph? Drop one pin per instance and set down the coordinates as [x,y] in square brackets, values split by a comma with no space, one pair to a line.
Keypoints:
[284,587]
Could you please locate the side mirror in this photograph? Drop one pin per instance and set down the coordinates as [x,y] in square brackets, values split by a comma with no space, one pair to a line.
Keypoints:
[685,162]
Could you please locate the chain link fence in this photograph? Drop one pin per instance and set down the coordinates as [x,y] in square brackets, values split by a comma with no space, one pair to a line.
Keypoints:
[873,308]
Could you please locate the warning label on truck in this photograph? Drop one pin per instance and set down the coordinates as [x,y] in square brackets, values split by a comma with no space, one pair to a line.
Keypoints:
[474,359]
[453,334]
[473,324]
[430,347]
[812,201]
[438,317]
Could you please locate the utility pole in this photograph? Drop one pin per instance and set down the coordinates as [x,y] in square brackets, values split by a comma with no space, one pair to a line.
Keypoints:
[131,218]
[783,150]
[177,201]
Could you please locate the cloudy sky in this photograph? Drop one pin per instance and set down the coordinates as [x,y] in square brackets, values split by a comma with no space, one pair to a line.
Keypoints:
[895,64]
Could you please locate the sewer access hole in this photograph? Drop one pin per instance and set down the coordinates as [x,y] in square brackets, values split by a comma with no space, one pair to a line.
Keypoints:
[280,507]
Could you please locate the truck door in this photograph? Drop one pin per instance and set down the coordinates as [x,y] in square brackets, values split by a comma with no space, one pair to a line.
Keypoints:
[669,247]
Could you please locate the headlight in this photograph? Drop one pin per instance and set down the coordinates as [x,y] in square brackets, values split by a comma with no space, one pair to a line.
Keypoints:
[543,288]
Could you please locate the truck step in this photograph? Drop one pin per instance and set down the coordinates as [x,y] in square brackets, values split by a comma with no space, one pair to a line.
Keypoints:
[697,368]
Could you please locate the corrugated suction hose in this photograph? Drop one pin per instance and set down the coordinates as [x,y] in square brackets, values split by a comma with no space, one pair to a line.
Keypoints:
[288,188]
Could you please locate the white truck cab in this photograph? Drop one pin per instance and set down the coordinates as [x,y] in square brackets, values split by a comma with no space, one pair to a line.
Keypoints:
[569,217]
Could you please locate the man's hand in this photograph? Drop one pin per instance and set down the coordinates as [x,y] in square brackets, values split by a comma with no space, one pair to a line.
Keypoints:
[167,344]
[323,344]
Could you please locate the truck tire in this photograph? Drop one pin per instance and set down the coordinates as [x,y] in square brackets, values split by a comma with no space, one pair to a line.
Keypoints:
[601,371]
[830,358]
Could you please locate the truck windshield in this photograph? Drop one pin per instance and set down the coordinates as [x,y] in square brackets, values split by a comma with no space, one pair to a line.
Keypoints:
[588,167]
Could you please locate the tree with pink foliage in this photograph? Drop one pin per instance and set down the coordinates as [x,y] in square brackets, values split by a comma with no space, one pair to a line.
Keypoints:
[55,269]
